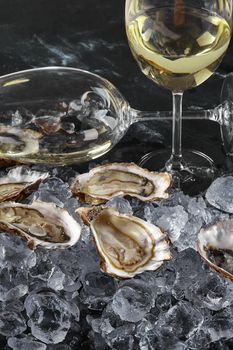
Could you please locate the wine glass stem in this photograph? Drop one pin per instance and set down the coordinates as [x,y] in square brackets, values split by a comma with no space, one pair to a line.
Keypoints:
[176,163]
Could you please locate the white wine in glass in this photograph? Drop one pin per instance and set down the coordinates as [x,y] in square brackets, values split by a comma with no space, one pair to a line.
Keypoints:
[179,44]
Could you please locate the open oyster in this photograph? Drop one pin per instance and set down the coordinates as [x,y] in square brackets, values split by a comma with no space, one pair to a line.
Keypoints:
[126,244]
[16,143]
[40,223]
[19,182]
[215,245]
[121,179]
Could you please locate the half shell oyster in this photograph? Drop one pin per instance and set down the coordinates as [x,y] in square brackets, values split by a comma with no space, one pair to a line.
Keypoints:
[215,245]
[16,143]
[126,244]
[121,179]
[18,183]
[40,223]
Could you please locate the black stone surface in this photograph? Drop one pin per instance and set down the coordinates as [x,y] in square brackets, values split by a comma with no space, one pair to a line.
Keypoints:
[90,34]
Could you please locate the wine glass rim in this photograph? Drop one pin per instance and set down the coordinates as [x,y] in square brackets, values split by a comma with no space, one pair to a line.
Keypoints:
[54,68]
[67,69]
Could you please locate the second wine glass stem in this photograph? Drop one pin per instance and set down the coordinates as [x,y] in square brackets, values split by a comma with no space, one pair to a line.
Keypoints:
[176,163]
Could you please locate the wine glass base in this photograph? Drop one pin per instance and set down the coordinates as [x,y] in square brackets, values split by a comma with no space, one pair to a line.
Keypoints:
[198,173]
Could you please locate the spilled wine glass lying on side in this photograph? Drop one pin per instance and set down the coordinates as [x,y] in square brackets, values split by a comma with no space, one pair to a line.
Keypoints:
[58,115]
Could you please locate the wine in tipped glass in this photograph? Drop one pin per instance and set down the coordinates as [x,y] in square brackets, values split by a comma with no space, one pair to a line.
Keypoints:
[179,44]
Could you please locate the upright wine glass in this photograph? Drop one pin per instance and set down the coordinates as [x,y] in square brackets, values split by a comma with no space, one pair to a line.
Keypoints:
[226,109]
[179,44]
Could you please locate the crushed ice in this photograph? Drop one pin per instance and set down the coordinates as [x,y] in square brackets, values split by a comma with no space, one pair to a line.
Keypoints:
[59,300]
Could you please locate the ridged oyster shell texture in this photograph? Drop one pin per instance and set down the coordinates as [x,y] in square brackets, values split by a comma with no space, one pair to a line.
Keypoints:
[121,179]
[20,182]
[215,244]
[127,245]
[40,223]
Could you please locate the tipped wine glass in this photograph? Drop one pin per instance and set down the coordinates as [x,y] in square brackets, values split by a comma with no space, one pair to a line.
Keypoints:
[61,115]
[179,44]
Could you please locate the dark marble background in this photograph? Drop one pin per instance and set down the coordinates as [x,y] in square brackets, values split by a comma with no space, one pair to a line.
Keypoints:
[90,34]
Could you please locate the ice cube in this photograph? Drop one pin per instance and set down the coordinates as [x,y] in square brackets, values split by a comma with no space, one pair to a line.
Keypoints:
[49,316]
[220,194]
[160,339]
[170,219]
[12,323]
[74,106]
[66,174]
[97,342]
[56,279]
[220,326]
[177,197]
[77,261]
[189,270]
[118,334]
[13,283]
[212,292]
[17,118]
[132,301]
[97,290]
[148,340]
[182,318]
[15,305]
[188,237]
[197,206]
[146,332]
[122,338]
[164,302]
[44,267]
[199,340]
[54,190]
[68,127]
[25,342]
[15,253]
[58,347]
[120,204]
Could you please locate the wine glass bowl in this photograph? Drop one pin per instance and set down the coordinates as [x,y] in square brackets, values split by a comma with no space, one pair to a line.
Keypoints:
[179,44]
[59,115]
[176,46]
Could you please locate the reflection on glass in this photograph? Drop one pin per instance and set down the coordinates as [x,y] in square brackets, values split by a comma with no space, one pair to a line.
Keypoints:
[178,45]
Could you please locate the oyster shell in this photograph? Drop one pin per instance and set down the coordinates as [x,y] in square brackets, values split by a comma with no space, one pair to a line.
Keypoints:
[40,223]
[215,245]
[19,182]
[15,142]
[126,244]
[5,163]
[121,179]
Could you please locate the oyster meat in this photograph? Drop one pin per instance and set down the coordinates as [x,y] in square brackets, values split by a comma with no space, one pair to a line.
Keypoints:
[40,223]
[121,179]
[215,245]
[127,245]
[18,183]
